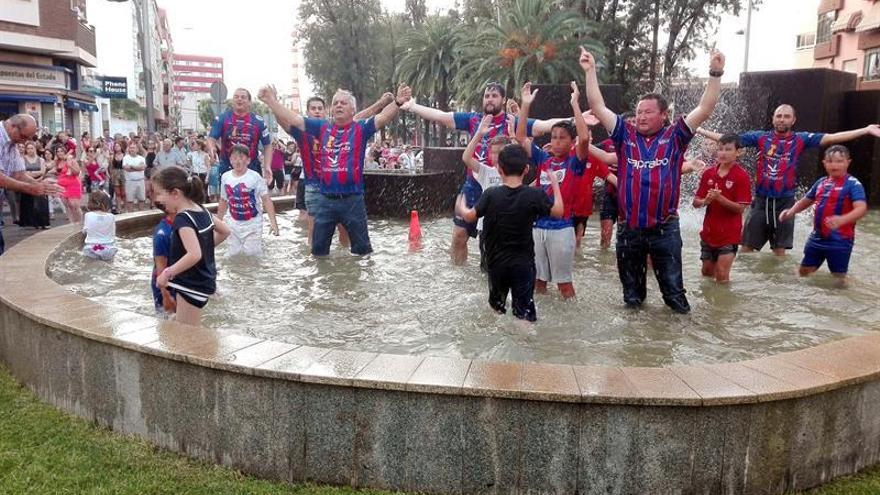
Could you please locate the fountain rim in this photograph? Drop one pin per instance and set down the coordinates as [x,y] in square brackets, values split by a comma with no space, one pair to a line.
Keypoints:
[26,287]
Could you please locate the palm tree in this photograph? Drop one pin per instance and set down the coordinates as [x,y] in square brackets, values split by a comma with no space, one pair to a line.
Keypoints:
[429,62]
[535,40]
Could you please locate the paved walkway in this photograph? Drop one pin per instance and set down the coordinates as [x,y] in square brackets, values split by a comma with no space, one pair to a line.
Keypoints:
[12,233]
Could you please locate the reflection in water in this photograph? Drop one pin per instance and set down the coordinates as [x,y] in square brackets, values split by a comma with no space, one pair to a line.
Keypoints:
[417,303]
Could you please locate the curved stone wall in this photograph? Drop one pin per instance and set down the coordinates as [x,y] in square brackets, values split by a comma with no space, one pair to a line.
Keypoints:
[435,424]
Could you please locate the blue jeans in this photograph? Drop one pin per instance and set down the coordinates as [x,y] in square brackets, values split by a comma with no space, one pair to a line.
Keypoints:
[663,244]
[350,211]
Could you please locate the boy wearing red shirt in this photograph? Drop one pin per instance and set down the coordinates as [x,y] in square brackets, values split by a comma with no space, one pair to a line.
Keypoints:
[725,191]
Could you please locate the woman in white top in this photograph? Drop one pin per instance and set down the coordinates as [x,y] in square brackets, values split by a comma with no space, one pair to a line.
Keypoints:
[199,161]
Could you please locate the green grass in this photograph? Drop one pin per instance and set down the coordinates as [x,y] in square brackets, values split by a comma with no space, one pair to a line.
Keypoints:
[45,451]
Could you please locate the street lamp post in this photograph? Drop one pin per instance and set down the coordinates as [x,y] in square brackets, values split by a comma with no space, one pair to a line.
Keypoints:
[142,10]
[748,36]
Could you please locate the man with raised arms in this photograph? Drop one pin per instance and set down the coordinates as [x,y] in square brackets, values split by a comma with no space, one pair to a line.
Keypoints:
[241,126]
[339,160]
[494,105]
[650,156]
[779,153]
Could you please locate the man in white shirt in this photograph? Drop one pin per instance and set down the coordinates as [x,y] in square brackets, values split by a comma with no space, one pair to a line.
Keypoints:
[135,190]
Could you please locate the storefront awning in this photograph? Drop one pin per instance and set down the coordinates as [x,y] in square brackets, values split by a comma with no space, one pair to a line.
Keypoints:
[871,20]
[17,97]
[847,22]
[82,106]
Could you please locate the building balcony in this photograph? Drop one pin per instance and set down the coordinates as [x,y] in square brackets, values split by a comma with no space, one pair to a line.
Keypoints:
[61,34]
[827,49]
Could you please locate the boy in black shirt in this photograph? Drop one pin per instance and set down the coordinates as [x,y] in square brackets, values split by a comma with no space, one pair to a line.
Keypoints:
[508,212]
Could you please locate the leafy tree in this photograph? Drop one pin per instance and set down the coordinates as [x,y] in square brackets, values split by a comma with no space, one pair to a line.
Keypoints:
[127,109]
[417,11]
[430,61]
[535,40]
[207,115]
[342,45]
[649,42]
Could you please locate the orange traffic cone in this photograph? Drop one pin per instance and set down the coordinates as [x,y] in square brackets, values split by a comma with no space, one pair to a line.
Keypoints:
[415,231]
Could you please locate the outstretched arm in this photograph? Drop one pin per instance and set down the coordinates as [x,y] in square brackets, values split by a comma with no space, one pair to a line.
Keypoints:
[286,117]
[606,117]
[431,114]
[801,205]
[375,108]
[842,137]
[468,156]
[710,96]
[528,96]
[467,214]
[389,113]
[269,207]
[706,133]
[603,156]
[558,208]
[583,132]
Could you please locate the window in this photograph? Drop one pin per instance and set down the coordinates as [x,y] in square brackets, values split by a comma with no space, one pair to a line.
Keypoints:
[872,64]
[823,30]
[806,40]
[851,66]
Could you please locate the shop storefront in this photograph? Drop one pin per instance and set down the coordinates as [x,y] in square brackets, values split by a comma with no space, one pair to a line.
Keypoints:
[45,92]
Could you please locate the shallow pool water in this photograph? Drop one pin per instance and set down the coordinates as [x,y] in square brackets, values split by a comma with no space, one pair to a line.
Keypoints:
[417,303]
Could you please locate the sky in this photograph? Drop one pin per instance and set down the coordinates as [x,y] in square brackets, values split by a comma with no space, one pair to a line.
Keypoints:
[255,41]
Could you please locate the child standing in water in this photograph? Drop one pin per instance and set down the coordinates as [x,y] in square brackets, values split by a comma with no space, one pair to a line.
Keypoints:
[99,225]
[163,297]
[195,232]
[509,211]
[840,203]
[241,192]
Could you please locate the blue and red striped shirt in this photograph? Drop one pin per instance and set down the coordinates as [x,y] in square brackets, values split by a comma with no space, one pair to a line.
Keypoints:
[470,122]
[835,197]
[308,148]
[778,156]
[567,170]
[339,163]
[248,130]
[649,172]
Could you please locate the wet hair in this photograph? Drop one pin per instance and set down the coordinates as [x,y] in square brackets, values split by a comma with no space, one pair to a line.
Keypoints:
[315,98]
[837,148]
[567,125]
[513,159]
[731,138]
[662,104]
[174,177]
[241,149]
[98,201]
[495,86]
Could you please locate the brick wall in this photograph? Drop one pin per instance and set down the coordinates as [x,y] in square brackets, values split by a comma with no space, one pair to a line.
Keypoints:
[56,21]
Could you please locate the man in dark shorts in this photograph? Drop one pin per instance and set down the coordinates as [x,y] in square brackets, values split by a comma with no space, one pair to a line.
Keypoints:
[779,153]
